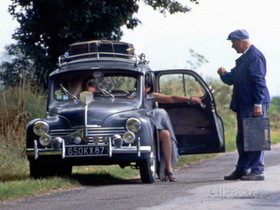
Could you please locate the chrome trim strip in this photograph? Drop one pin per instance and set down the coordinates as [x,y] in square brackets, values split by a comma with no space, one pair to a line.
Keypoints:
[133,149]
[110,147]
[96,56]
[63,149]
[86,118]
[138,147]
[93,127]
[36,152]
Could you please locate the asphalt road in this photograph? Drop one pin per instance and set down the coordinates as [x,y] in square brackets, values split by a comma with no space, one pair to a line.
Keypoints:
[199,186]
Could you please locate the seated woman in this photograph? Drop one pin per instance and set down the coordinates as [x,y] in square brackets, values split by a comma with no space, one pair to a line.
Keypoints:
[162,121]
[91,87]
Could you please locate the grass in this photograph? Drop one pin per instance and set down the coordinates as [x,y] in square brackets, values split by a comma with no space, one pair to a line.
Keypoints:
[15,181]
[20,105]
[13,167]
[30,187]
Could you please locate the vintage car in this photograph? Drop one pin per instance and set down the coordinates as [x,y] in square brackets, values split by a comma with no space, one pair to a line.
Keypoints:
[110,125]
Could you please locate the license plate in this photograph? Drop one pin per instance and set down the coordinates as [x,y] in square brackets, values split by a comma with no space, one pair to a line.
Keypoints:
[83,151]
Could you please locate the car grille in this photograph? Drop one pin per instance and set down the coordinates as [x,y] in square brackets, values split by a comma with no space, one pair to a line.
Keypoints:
[89,134]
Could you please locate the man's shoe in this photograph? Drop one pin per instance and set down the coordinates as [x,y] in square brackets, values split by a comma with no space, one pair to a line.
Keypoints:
[253,177]
[235,175]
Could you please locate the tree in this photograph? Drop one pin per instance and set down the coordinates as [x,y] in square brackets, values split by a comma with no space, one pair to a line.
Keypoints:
[18,70]
[47,27]
[197,60]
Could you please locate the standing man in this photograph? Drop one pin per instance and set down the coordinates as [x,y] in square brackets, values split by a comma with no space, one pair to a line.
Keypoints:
[250,98]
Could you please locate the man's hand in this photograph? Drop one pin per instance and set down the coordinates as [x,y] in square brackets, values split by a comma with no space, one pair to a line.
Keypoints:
[221,71]
[257,111]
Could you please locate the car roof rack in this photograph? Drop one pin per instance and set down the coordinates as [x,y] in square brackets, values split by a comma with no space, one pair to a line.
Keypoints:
[97,49]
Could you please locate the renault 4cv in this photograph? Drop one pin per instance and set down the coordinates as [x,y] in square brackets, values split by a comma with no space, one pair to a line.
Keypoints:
[96,116]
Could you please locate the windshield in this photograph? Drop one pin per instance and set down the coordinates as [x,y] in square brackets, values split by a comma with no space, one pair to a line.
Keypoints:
[101,83]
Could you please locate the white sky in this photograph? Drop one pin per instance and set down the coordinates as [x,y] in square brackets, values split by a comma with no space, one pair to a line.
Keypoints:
[166,40]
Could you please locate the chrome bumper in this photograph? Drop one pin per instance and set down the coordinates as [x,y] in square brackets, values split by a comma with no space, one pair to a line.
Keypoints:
[36,152]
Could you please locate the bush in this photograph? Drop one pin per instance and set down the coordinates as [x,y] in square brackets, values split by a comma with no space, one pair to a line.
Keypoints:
[17,107]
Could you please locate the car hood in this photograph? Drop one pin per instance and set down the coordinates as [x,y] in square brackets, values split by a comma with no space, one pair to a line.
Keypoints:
[95,113]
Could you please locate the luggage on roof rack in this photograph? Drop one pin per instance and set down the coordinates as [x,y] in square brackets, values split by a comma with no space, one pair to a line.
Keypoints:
[98,49]
[101,46]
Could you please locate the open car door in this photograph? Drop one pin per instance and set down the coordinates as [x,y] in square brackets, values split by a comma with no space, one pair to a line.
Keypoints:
[198,129]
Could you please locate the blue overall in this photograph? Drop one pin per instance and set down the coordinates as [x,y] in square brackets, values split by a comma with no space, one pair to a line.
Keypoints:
[249,89]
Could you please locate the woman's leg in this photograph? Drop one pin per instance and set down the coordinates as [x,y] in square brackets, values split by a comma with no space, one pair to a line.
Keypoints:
[166,146]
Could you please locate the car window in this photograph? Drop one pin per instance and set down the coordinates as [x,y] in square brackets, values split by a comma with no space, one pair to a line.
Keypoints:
[181,85]
[111,83]
[118,85]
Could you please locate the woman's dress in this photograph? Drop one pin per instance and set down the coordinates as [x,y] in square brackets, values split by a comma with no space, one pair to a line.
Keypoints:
[162,121]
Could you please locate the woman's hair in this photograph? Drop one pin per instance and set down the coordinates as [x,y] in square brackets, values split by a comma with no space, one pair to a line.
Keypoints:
[88,82]
[148,82]
[91,84]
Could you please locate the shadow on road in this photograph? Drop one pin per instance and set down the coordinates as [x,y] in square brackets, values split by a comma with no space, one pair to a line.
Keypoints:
[102,179]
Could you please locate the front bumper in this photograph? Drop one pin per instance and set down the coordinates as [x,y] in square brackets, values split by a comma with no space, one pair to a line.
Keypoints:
[36,152]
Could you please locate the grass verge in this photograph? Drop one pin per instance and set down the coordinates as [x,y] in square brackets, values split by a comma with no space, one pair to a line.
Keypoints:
[15,181]
[29,187]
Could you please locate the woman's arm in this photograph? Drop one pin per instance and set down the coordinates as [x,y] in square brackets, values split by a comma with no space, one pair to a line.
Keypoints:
[170,99]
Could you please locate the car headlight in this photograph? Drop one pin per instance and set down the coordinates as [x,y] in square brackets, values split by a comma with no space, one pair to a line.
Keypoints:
[40,128]
[133,124]
[128,137]
[45,140]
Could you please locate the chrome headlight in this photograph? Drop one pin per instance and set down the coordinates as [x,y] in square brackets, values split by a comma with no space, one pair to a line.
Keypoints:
[128,137]
[45,140]
[133,124]
[40,128]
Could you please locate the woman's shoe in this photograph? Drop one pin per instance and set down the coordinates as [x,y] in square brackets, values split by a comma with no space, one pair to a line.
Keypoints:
[170,176]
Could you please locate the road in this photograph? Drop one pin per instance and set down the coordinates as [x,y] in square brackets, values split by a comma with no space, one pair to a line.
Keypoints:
[200,186]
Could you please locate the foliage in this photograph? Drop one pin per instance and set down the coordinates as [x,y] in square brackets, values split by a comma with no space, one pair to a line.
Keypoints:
[169,6]
[19,69]
[275,105]
[197,60]
[17,107]
[273,113]
[47,27]
[221,92]
[180,85]
[14,172]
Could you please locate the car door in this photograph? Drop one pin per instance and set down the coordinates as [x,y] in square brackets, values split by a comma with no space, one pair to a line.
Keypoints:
[198,129]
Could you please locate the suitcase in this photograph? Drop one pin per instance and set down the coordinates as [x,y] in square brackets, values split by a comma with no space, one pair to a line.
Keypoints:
[97,49]
[104,48]
[256,133]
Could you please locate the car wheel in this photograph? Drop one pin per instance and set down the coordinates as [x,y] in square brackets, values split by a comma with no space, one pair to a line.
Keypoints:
[148,167]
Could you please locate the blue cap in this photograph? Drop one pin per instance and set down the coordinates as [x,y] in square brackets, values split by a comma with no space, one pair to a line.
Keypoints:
[238,34]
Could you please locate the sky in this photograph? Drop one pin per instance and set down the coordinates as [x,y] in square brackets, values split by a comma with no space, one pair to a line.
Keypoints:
[167,39]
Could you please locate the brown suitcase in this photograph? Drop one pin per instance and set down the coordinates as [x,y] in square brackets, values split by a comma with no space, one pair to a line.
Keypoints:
[104,48]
